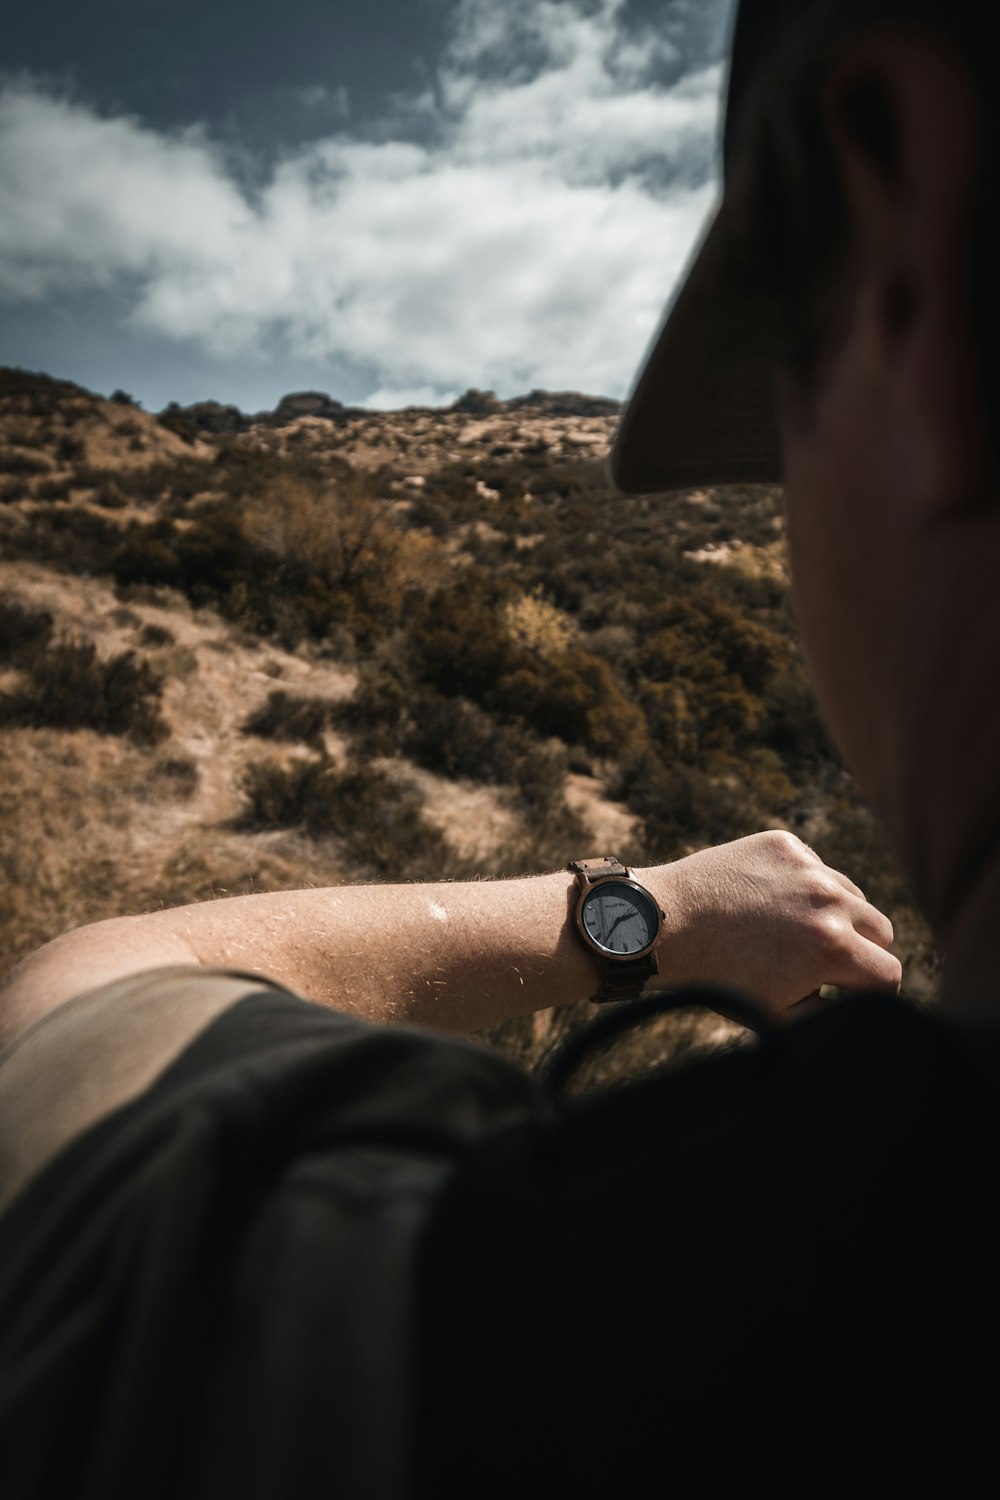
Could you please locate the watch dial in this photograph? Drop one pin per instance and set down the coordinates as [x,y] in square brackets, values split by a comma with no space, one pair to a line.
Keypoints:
[619,918]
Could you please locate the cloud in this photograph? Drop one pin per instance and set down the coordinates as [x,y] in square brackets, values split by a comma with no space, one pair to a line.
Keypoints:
[525,235]
[318,96]
[394,398]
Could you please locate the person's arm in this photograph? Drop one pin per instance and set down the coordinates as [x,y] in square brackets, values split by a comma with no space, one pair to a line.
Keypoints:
[763,912]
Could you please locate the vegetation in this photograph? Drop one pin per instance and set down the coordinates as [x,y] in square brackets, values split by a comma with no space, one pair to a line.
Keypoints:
[67,686]
[378,821]
[287,717]
[509,622]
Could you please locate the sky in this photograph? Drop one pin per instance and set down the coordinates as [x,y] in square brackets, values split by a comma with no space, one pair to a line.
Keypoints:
[390,201]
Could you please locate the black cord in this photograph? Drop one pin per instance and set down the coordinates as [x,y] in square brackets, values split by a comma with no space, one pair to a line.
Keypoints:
[736,1005]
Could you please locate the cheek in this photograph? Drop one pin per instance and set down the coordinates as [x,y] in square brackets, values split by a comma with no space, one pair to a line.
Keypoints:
[840,602]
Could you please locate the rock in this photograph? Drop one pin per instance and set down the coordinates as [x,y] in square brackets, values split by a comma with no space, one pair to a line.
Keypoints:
[478,403]
[306,404]
[564,404]
[208,416]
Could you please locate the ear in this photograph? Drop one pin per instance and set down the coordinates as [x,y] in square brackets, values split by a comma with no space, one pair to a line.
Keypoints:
[902,118]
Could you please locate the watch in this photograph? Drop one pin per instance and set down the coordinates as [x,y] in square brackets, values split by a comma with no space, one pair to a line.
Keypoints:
[620,922]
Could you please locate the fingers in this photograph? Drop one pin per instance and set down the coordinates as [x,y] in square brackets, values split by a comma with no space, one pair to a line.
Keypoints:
[872,924]
[848,885]
[864,965]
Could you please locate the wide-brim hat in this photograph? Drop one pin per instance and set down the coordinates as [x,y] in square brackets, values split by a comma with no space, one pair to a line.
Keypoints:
[702,410]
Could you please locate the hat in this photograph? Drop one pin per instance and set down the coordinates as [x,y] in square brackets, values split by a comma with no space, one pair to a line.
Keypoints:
[702,408]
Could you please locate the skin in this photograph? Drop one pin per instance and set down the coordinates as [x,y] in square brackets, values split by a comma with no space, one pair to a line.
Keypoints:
[893,518]
[763,912]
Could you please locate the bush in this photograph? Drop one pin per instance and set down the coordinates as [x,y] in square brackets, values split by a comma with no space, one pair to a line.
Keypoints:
[69,448]
[24,632]
[721,798]
[53,489]
[14,461]
[109,497]
[470,642]
[380,823]
[176,776]
[70,688]
[157,635]
[455,738]
[179,425]
[297,561]
[286,717]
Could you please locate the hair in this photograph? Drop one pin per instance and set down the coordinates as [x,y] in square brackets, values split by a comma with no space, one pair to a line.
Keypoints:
[793,254]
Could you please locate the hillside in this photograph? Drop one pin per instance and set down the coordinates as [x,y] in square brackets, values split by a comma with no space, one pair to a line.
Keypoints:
[321,644]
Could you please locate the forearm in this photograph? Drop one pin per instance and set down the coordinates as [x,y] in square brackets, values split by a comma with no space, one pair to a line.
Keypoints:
[763,912]
[455,955]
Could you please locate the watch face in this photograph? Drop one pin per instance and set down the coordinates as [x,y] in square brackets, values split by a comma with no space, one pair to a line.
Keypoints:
[619,918]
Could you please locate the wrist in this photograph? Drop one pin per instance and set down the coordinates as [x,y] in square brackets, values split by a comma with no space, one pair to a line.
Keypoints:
[677,958]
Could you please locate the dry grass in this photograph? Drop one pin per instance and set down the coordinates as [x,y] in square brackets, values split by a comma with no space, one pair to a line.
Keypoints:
[384,508]
[93,826]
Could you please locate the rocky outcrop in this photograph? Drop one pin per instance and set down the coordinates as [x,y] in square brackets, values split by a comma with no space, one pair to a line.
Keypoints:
[539,403]
[304,404]
[478,403]
[209,416]
[564,404]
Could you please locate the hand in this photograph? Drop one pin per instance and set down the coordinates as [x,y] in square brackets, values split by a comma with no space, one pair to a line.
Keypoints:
[765,914]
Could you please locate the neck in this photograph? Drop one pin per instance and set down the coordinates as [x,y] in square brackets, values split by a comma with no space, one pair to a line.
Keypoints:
[970,985]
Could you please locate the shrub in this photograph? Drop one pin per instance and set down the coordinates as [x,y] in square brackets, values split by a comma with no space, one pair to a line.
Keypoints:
[69,448]
[380,823]
[455,738]
[573,697]
[178,424]
[286,717]
[157,635]
[14,461]
[378,711]
[24,632]
[110,497]
[294,562]
[53,489]
[70,688]
[67,535]
[177,776]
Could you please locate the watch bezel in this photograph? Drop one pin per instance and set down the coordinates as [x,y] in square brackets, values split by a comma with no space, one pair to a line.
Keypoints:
[595,947]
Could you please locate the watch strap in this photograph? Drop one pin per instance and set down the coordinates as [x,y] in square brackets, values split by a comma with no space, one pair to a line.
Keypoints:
[599,869]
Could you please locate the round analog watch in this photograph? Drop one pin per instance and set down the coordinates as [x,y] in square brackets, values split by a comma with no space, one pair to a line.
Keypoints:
[620,922]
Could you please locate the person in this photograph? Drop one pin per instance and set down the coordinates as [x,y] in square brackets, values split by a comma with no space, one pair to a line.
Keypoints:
[777,1268]
[316,1250]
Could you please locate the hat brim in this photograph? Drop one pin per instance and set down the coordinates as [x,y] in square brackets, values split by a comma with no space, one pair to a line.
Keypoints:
[702,410]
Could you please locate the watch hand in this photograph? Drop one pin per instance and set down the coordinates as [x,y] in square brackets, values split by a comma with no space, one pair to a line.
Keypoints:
[617,923]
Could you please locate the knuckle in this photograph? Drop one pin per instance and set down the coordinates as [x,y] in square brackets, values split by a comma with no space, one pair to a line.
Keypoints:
[783,842]
[828,936]
[824,892]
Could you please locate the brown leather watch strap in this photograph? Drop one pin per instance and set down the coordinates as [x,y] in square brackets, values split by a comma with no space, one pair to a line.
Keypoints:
[599,869]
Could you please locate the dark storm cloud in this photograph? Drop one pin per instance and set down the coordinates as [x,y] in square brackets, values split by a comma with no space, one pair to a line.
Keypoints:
[513,216]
